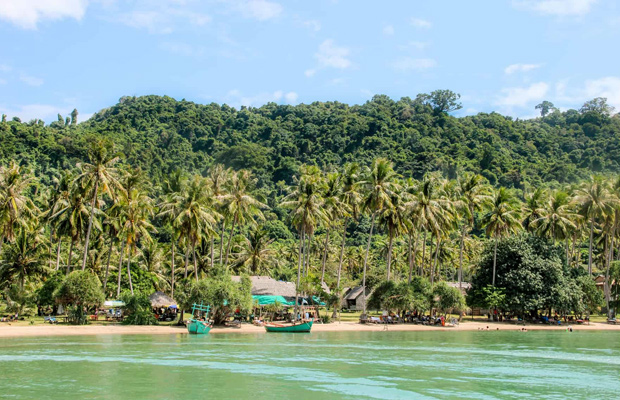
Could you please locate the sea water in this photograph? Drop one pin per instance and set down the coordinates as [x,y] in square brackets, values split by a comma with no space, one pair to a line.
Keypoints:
[345,365]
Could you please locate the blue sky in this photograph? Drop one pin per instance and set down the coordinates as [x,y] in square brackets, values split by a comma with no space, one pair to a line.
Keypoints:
[500,55]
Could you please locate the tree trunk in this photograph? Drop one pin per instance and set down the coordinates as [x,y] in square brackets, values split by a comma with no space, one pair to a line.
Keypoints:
[172,272]
[573,255]
[49,253]
[415,251]
[186,260]
[70,256]
[90,224]
[590,246]
[58,253]
[1,242]
[120,270]
[430,257]
[461,256]
[409,256]
[129,253]
[325,256]
[212,250]
[222,244]
[372,226]
[567,252]
[107,267]
[494,260]
[389,255]
[299,262]
[344,235]
[232,230]
[195,262]
[423,253]
[434,265]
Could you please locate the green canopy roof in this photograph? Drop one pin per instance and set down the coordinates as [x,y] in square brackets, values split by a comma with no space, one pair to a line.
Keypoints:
[268,300]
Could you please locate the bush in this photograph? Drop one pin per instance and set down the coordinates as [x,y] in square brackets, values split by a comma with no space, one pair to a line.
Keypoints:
[326,319]
[138,310]
[79,289]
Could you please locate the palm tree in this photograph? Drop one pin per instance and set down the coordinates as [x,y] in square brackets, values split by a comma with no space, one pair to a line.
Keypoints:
[152,258]
[501,219]
[392,217]
[218,178]
[335,209]
[239,204]
[256,254]
[24,257]
[380,187]
[351,197]
[306,204]
[534,208]
[556,221]
[99,176]
[137,210]
[594,201]
[473,195]
[16,208]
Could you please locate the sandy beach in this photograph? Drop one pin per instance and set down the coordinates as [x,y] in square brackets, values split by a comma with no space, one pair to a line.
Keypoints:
[7,331]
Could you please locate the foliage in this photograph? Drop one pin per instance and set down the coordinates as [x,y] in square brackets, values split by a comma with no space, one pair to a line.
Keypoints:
[80,288]
[138,310]
[447,298]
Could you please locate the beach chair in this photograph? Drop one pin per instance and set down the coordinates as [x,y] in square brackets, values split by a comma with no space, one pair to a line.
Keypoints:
[50,319]
[612,321]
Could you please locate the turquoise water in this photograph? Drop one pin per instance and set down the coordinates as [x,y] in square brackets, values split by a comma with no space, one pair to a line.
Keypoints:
[345,365]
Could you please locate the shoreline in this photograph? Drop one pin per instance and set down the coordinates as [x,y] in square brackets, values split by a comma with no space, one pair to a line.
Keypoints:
[9,331]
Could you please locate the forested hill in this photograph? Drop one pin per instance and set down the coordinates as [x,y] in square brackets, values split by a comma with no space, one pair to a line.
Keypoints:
[161,134]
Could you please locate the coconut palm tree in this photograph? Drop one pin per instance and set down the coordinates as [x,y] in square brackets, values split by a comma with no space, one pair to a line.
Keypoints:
[501,219]
[240,205]
[24,258]
[594,201]
[219,178]
[534,208]
[256,254]
[380,185]
[335,209]
[473,195]
[97,176]
[392,217]
[352,198]
[16,208]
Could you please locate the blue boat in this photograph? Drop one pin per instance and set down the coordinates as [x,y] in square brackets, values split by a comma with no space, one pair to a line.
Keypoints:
[198,326]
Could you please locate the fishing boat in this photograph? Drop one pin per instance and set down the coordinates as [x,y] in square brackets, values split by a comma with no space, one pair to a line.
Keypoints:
[196,325]
[303,327]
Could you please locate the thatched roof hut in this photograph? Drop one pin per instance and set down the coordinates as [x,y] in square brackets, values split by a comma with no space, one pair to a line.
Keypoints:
[160,299]
[267,286]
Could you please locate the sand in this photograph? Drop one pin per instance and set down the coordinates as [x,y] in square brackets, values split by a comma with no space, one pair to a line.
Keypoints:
[7,330]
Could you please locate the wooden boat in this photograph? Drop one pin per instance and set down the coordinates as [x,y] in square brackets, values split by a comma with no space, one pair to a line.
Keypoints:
[303,327]
[197,326]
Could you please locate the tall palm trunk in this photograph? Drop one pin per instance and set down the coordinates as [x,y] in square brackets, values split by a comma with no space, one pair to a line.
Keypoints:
[325,256]
[389,254]
[107,267]
[129,253]
[423,253]
[590,246]
[435,265]
[567,252]
[90,224]
[409,256]
[212,250]
[1,242]
[186,259]
[120,270]
[58,253]
[430,256]
[49,254]
[461,256]
[222,244]
[415,251]
[232,230]
[195,262]
[494,260]
[172,271]
[372,226]
[70,256]
[344,235]
[299,262]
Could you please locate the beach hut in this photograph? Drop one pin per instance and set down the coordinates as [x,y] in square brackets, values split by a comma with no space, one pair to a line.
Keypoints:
[353,299]
[164,307]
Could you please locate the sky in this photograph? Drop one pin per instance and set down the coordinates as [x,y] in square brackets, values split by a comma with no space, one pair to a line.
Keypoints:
[500,55]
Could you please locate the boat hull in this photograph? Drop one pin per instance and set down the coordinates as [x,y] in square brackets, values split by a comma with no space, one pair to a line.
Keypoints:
[198,327]
[299,328]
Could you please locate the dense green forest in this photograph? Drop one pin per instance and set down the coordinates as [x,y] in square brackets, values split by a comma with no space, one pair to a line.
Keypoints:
[155,193]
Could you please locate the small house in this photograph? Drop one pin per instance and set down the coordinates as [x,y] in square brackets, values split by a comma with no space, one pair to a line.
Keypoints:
[353,298]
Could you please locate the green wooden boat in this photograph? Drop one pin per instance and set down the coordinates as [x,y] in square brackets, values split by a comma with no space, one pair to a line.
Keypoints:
[303,327]
[197,326]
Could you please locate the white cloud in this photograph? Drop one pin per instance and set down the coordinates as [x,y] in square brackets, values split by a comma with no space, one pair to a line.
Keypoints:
[421,23]
[310,73]
[313,25]
[608,87]
[30,80]
[522,96]
[28,13]
[152,21]
[511,69]
[261,10]
[29,112]
[330,55]
[556,7]
[183,49]
[413,64]
[236,98]
[388,30]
